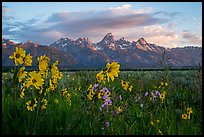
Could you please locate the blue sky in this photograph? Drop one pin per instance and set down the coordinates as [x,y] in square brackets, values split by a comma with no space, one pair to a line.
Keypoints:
[168,24]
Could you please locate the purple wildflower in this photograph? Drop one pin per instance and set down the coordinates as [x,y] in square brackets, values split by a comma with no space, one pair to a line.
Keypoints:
[109,102]
[157,93]
[107,124]
[100,109]
[96,85]
[103,104]
[104,97]
[105,89]
[120,97]
[146,94]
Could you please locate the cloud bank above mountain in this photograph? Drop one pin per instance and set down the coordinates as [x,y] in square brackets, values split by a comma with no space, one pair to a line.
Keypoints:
[122,21]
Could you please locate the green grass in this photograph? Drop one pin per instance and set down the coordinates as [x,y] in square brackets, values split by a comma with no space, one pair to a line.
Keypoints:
[83,117]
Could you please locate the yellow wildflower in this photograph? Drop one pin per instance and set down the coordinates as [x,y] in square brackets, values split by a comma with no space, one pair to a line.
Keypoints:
[119,109]
[44,73]
[99,95]
[130,88]
[18,56]
[160,132]
[152,123]
[112,70]
[56,74]
[43,63]
[51,86]
[36,80]
[21,74]
[29,106]
[27,83]
[184,116]
[22,94]
[44,105]
[100,76]
[28,60]
[162,96]
[189,111]
[125,84]
[64,91]
[90,94]
[166,84]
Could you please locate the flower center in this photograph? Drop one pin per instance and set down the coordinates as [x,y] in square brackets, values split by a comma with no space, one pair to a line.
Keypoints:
[17,55]
[110,69]
[33,80]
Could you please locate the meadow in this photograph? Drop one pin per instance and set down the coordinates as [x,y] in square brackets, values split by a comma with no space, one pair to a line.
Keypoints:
[106,102]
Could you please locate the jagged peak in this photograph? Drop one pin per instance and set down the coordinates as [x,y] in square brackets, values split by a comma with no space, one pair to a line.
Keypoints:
[109,37]
[29,41]
[82,39]
[64,38]
[109,34]
[142,41]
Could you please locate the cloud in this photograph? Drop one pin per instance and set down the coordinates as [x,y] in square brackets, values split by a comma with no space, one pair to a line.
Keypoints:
[6,14]
[5,9]
[168,14]
[126,9]
[157,34]
[172,25]
[123,7]
[192,38]
[92,24]
[161,36]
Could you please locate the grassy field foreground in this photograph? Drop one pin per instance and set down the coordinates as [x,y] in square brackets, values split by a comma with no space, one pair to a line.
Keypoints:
[156,102]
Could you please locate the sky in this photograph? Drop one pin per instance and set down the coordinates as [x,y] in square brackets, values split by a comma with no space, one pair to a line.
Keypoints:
[167,24]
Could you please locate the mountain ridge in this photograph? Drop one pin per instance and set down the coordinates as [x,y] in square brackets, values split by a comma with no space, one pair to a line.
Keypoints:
[84,53]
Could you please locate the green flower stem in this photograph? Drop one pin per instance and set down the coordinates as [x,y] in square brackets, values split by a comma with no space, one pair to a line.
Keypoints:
[34,132]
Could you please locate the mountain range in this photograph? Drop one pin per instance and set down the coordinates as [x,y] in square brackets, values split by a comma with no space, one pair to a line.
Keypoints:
[82,53]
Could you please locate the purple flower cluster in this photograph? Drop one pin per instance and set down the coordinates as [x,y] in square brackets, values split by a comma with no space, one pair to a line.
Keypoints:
[95,86]
[105,98]
[153,94]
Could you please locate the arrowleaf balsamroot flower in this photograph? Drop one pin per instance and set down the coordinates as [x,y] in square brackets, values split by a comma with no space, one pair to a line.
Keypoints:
[18,56]
[162,96]
[130,88]
[30,106]
[43,63]
[44,105]
[90,92]
[189,111]
[28,60]
[184,116]
[118,110]
[125,84]
[100,76]
[112,70]
[21,74]
[56,74]
[36,80]
[22,93]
